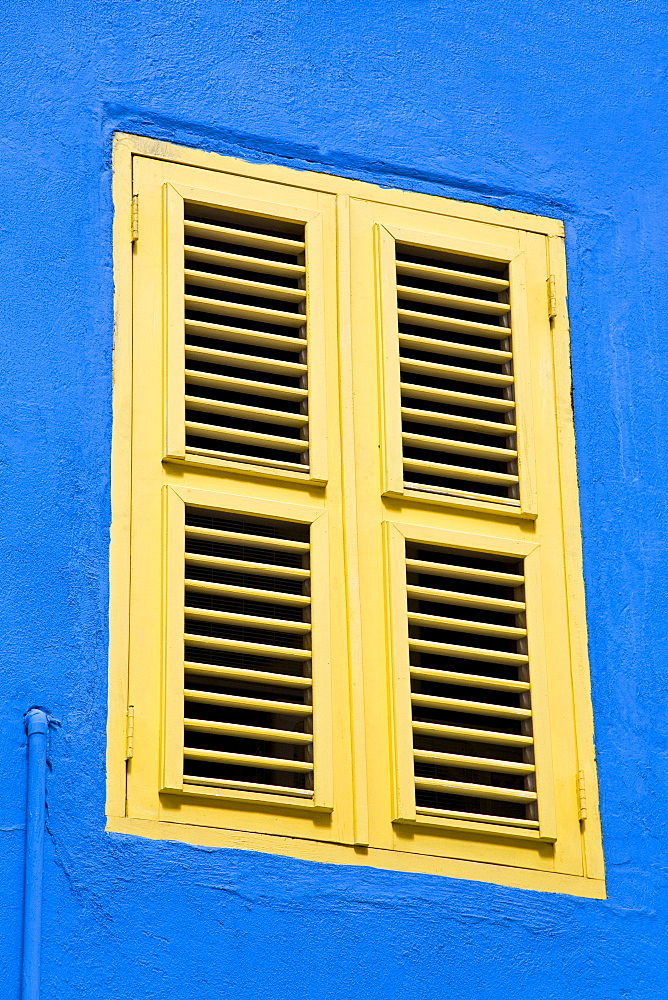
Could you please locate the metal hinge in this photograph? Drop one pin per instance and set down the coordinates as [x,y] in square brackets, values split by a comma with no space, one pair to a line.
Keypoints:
[134,220]
[582,797]
[129,731]
[551,296]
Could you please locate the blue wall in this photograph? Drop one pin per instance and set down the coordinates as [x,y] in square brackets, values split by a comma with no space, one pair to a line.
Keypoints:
[556,108]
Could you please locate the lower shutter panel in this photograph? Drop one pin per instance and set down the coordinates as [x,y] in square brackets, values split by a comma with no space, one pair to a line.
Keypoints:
[247,640]
[245,334]
[455,354]
[470,686]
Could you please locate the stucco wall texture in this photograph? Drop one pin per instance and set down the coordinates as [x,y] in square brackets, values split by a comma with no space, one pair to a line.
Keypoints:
[557,108]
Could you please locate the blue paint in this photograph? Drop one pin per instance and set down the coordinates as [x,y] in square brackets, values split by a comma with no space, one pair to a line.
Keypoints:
[556,108]
[37,730]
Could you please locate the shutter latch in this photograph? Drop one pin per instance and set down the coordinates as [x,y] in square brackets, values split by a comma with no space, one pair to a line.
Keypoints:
[129,731]
[551,296]
[582,798]
[134,218]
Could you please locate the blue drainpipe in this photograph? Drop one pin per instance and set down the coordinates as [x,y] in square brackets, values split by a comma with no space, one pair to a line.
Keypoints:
[37,722]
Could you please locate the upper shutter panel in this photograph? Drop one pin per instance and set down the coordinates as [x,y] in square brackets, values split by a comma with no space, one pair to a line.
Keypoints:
[457,398]
[246,338]
[470,687]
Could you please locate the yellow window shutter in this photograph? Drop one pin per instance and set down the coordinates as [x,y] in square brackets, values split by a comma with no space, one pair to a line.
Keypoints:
[347,606]
[236,614]
[460,509]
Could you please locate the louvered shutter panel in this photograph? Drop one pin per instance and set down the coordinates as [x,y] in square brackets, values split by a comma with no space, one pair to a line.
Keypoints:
[246,384]
[247,646]
[470,686]
[456,364]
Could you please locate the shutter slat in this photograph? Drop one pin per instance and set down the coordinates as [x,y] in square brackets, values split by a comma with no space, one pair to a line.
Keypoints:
[240,262]
[252,704]
[247,593]
[243,286]
[457,472]
[247,760]
[230,359]
[469,493]
[431,272]
[277,624]
[472,763]
[435,395]
[246,437]
[249,786]
[461,625]
[247,539]
[240,411]
[236,456]
[475,791]
[465,424]
[459,302]
[529,824]
[245,386]
[239,335]
[255,676]
[464,326]
[464,600]
[260,314]
[433,370]
[464,572]
[468,680]
[242,237]
[247,732]
[240,646]
[245,566]
[469,707]
[466,652]
[472,735]
[431,346]
[457,447]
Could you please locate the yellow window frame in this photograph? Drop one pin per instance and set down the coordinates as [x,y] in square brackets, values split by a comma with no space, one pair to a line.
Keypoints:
[360,816]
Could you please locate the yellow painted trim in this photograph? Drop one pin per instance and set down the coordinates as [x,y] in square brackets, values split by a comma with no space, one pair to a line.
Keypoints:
[121,466]
[174,320]
[351,536]
[577,619]
[328,183]
[171,738]
[359,857]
